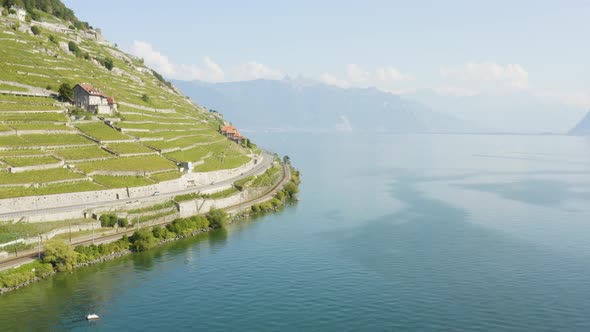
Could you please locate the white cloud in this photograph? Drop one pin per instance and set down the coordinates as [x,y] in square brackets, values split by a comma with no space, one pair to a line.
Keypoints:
[454,91]
[487,77]
[253,70]
[153,58]
[331,80]
[209,70]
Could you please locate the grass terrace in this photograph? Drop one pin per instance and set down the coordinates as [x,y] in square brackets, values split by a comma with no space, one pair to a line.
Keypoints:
[33,117]
[22,153]
[8,231]
[15,107]
[43,176]
[55,139]
[139,164]
[29,161]
[26,100]
[90,152]
[166,176]
[101,131]
[129,148]
[9,87]
[194,154]
[41,126]
[121,181]
[50,189]
[182,142]
[157,126]
[216,163]
[5,128]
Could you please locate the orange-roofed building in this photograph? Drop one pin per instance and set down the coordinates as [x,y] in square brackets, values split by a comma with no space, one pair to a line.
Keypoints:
[91,99]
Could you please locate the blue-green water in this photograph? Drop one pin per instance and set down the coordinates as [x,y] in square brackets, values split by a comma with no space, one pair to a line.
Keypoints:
[393,232]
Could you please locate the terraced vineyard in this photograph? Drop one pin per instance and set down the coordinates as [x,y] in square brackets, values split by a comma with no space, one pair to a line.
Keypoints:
[48,146]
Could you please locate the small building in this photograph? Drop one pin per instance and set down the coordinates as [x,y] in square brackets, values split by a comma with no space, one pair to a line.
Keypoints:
[232,134]
[91,99]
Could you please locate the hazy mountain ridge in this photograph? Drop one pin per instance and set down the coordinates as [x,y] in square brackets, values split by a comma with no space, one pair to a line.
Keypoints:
[583,127]
[309,105]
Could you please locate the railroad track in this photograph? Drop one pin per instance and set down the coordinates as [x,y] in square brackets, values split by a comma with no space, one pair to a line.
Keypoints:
[32,255]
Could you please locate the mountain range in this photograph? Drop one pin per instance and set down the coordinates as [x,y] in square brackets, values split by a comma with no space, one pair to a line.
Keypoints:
[583,127]
[307,105]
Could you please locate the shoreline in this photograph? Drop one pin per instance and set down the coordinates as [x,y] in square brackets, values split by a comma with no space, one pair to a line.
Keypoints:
[239,217]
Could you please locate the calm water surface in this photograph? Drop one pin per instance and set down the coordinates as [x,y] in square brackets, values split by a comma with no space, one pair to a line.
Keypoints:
[394,232]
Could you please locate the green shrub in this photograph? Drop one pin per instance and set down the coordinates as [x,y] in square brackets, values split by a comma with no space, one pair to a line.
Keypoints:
[65,91]
[35,30]
[53,39]
[291,188]
[145,98]
[142,240]
[217,218]
[60,254]
[73,47]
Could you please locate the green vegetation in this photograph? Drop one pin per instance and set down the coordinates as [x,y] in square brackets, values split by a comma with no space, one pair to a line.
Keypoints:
[25,273]
[129,148]
[41,126]
[36,30]
[186,226]
[90,152]
[166,176]
[111,181]
[188,197]
[221,162]
[217,218]
[29,161]
[73,47]
[55,7]
[224,193]
[49,189]
[138,164]
[110,220]
[10,231]
[8,87]
[41,176]
[240,184]
[151,208]
[55,139]
[59,254]
[65,91]
[101,131]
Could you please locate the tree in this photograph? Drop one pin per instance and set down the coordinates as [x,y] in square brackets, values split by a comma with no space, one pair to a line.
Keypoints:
[286,160]
[217,218]
[73,47]
[108,63]
[291,188]
[60,254]
[65,91]
[142,240]
[145,98]
[35,30]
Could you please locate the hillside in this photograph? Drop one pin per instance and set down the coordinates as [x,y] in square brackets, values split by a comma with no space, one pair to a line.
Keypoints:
[48,146]
[308,105]
[583,127]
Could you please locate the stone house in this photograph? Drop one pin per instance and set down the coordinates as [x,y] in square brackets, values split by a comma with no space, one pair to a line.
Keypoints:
[91,99]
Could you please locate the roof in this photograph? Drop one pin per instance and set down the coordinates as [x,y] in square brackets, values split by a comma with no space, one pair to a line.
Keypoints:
[91,90]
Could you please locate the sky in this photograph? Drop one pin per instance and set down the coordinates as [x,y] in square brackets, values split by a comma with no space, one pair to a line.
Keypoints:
[451,48]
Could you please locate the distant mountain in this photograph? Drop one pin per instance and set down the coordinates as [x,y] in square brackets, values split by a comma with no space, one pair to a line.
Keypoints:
[583,127]
[298,104]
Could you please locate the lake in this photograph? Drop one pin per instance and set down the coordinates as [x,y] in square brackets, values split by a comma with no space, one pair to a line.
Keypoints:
[393,232]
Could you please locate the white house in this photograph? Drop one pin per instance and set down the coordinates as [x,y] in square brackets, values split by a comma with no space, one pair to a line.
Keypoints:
[88,97]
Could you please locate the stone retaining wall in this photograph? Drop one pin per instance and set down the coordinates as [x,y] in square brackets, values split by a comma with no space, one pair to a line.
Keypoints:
[35,167]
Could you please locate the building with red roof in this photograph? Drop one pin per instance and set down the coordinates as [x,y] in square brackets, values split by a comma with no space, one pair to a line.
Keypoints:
[91,99]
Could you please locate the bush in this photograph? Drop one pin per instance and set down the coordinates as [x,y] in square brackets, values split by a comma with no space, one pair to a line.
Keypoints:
[291,189]
[60,254]
[108,63]
[162,233]
[217,218]
[73,47]
[28,18]
[123,222]
[145,98]
[53,39]
[142,240]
